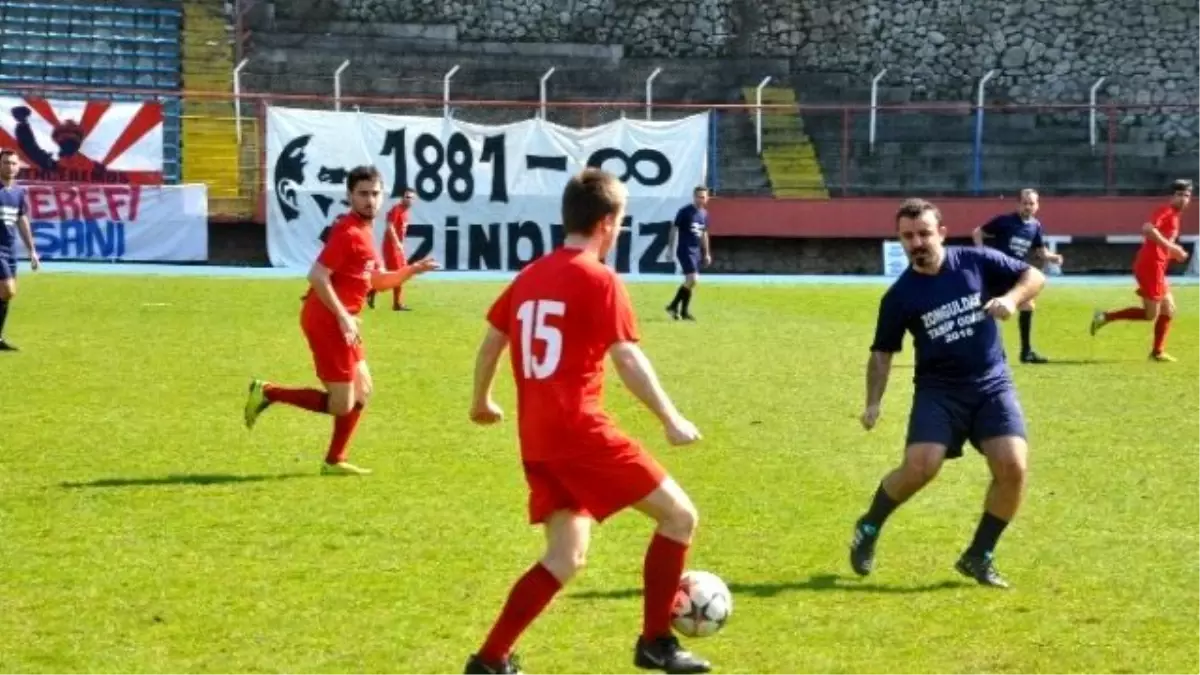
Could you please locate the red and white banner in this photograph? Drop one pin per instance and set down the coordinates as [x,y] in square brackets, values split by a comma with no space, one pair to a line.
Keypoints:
[131,223]
[106,142]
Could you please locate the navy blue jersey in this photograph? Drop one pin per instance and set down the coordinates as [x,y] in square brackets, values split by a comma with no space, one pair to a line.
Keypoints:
[1012,235]
[691,223]
[957,344]
[12,206]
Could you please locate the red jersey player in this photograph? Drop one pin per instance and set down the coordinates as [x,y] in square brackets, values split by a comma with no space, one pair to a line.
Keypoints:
[562,315]
[338,283]
[393,246]
[1150,271]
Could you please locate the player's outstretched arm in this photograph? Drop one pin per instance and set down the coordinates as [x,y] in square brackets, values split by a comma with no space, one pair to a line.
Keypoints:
[639,377]
[386,281]
[879,368]
[483,409]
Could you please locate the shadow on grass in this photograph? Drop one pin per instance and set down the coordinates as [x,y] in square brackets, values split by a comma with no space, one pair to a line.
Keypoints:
[185,479]
[817,582]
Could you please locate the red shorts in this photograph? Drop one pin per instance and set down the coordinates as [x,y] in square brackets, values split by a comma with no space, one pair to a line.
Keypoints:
[393,257]
[595,483]
[334,360]
[1151,281]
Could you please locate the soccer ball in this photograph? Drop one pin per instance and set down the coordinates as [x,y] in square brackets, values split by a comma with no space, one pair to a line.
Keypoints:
[702,604]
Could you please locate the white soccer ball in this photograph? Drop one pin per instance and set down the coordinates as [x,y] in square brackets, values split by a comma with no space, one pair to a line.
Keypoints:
[702,604]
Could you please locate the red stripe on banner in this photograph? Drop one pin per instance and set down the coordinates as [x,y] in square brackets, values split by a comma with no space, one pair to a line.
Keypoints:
[42,107]
[147,117]
[92,113]
[9,143]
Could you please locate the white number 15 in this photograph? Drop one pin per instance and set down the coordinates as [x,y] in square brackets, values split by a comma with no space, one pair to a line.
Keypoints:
[532,315]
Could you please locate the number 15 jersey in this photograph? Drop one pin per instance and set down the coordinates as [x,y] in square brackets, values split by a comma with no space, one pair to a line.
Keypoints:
[561,314]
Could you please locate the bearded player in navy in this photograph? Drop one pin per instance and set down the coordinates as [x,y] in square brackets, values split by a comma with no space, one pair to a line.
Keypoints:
[948,299]
[689,241]
[1019,235]
[13,218]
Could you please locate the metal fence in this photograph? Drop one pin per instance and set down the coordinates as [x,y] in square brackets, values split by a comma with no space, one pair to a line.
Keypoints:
[789,150]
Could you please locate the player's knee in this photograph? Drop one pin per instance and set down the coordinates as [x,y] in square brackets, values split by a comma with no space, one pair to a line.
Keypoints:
[691,280]
[566,562]
[1027,306]
[1151,311]
[341,400]
[681,522]
[920,468]
[1010,469]
[8,291]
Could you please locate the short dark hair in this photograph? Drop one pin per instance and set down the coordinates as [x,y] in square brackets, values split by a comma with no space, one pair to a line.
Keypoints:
[408,191]
[5,152]
[360,173]
[700,188]
[588,198]
[1181,185]
[915,208]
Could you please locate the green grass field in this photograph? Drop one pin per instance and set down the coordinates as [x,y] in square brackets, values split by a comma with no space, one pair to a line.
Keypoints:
[143,529]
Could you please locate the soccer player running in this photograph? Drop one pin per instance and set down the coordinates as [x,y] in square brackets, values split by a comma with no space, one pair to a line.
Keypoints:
[689,241]
[339,280]
[393,247]
[947,299]
[561,316]
[1018,235]
[12,217]
[1150,271]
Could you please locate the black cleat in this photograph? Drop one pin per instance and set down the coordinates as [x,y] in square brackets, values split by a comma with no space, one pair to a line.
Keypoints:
[687,317]
[477,666]
[1033,357]
[673,313]
[665,654]
[982,569]
[862,548]
[6,347]
[401,308]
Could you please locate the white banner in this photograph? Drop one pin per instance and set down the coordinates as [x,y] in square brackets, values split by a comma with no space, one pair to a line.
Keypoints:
[488,197]
[118,222]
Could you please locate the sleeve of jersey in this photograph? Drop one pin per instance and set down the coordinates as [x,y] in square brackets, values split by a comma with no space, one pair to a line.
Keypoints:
[22,209]
[1000,272]
[501,310]
[1039,239]
[889,327]
[619,323]
[333,254]
[990,226]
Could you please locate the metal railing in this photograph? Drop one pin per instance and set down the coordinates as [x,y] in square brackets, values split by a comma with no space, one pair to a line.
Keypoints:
[934,149]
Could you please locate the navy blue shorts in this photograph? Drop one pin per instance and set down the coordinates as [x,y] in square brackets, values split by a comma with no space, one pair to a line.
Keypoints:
[689,261]
[8,266]
[951,418]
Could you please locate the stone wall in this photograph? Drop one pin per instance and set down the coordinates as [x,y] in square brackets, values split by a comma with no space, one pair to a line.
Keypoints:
[1047,50]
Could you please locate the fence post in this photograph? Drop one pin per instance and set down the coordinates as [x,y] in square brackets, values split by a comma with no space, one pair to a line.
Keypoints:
[1110,159]
[446,91]
[337,85]
[874,105]
[758,113]
[542,90]
[845,149]
[650,91]
[1092,111]
[714,150]
[237,97]
[977,178]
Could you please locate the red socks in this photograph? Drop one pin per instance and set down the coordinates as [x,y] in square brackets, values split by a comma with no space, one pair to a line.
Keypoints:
[1127,314]
[1161,327]
[663,567]
[343,429]
[312,400]
[529,597]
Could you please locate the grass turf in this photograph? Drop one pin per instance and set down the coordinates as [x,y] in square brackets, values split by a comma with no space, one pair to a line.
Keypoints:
[145,530]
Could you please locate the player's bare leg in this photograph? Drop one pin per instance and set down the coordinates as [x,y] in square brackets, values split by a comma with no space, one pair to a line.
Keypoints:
[1025,321]
[346,403]
[1008,460]
[657,647]
[1162,326]
[921,464]
[8,291]
[568,535]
